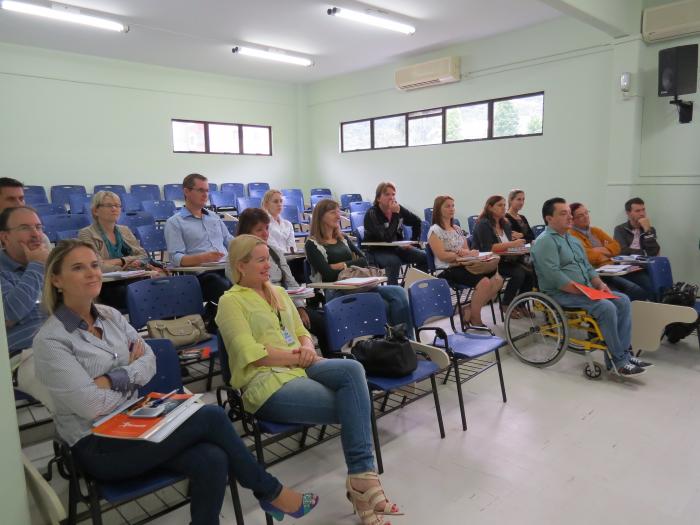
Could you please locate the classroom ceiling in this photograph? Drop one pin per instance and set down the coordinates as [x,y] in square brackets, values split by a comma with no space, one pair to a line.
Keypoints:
[199,34]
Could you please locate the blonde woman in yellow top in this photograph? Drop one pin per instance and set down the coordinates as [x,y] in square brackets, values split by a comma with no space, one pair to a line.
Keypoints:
[274,363]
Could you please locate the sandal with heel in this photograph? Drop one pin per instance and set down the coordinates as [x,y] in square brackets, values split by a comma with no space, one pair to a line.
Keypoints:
[308,502]
[377,502]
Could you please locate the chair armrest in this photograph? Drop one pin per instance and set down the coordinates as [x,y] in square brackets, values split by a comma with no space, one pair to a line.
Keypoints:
[439,333]
[437,355]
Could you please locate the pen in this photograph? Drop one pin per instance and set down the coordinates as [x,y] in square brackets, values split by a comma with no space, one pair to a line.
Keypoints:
[162,399]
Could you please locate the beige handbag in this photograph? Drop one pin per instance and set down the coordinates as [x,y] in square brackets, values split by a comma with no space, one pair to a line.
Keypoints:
[184,331]
[480,267]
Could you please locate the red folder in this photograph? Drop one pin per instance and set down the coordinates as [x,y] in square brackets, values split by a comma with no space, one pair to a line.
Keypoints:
[593,294]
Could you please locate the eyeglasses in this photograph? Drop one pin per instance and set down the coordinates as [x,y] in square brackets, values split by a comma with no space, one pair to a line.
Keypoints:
[26,228]
[112,206]
[199,190]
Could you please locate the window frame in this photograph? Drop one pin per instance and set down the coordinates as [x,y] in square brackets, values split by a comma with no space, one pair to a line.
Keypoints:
[442,112]
[206,137]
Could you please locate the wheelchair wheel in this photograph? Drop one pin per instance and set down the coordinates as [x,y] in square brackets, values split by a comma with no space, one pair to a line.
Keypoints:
[540,339]
[593,372]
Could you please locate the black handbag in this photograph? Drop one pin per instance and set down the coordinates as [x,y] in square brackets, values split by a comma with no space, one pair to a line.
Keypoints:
[389,356]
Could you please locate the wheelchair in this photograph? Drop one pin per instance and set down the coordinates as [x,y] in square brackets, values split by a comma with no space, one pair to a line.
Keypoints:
[550,331]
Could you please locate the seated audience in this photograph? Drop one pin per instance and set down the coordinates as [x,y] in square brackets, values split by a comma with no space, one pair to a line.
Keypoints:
[12,196]
[281,230]
[92,360]
[254,221]
[22,275]
[492,233]
[384,222]
[329,252]
[195,235]
[637,236]
[600,248]
[448,243]
[520,228]
[560,262]
[282,378]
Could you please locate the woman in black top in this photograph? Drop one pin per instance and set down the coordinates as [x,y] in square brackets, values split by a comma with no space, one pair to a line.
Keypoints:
[384,223]
[518,223]
[493,233]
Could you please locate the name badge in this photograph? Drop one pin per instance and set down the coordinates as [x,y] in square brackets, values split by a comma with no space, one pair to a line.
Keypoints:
[288,338]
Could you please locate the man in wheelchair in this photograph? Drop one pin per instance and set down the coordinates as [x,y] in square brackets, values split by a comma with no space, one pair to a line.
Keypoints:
[560,261]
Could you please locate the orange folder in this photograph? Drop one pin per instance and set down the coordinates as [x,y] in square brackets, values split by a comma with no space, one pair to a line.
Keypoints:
[593,294]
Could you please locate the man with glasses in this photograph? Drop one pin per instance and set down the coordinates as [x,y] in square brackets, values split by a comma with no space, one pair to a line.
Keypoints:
[22,274]
[12,196]
[197,236]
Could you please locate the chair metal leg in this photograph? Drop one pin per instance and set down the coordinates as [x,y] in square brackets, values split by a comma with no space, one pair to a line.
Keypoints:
[210,373]
[500,375]
[438,410]
[302,440]
[447,375]
[460,397]
[493,312]
[258,445]
[237,510]
[375,437]
[95,510]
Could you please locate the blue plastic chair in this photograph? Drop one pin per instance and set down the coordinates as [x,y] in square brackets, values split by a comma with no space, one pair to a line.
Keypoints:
[44,209]
[322,191]
[294,197]
[362,206]
[243,203]
[537,229]
[34,195]
[135,219]
[257,193]
[431,300]
[424,228]
[471,222]
[231,226]
[318,197]
[168,298]
[347,198]
[359,232]
[223,200]
[364,314]
[258,186]
[152,239]
[119,189]
[661,276]
[131,203]
[161,210]
[60,194]
[67,234]
[357,219]
[77,202]
[173,192]
[145,192]
[236,187]
[428,215]
[213,186]
[61,223]
[293,215]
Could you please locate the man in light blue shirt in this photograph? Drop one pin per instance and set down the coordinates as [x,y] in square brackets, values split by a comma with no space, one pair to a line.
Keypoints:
[560,261]
[195,236]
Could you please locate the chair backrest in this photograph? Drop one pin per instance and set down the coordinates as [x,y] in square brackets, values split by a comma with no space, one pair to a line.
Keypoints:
[115,188]
[659,270]
[213,186]
[537,229]
[471,222]
[407,231]
[223,359]
[357,219]
[60,193]
[44,209]
[231,226]
[146,192]
[430,299]
[359,233]
[235,187]
[163,298]
[131,202]
[168,376]
[135,219]
[322,191]
[354,315]
[61,223]
[258,186]
[428,215]
[223,199]
[173,192]
[243,203]
[77,202]
[360,206]
[152,238]
[424,228]
[291,213]
[257,193]
[430,256]
[317,197]
[161,210]
[67,234]
[35,195]
[347,198]
[294,196]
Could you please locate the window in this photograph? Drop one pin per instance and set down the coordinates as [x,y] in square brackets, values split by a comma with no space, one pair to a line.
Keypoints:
[515,116]
[218,137]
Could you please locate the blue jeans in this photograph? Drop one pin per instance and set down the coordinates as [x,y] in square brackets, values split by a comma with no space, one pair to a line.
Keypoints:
[205,448]
[636,285]
[397,308]
[335,392]
[613,317]
[391,260]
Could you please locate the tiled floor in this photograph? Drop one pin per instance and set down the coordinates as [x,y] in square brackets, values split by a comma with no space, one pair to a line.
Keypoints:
[564,449]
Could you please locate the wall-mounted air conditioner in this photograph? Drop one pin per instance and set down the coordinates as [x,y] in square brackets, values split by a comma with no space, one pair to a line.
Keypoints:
[671,21]
[433,73]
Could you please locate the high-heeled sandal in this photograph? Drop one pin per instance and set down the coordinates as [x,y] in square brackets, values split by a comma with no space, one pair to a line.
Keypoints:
[374,495]
[308,502]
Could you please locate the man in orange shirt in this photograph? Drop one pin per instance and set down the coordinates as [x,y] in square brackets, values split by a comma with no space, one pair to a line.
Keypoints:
[600,248]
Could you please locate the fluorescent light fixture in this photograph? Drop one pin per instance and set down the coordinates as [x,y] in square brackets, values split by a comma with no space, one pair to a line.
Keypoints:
[64,13]
[273,54]
[371,20]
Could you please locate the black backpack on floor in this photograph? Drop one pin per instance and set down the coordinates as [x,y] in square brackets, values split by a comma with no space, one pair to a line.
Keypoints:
[682,294]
